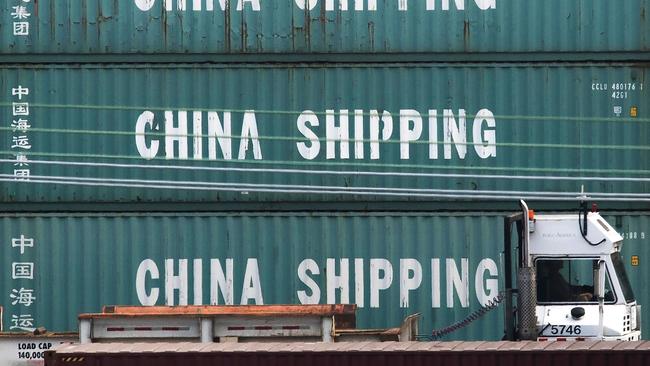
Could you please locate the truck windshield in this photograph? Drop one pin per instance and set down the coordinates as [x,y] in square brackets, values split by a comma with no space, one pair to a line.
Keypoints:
[622,277]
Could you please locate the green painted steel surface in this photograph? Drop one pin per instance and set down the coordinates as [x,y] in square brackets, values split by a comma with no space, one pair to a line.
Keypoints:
[81,262]
[282,26]
[414,132]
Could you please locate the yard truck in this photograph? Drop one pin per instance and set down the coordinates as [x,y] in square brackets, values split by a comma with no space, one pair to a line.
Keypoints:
[571,282]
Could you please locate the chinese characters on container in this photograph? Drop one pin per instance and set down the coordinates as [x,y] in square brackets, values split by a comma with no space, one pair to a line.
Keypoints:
[21,16]
[22,295]
[20,125]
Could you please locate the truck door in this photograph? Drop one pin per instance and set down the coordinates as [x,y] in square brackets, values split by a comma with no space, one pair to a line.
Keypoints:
[567,305]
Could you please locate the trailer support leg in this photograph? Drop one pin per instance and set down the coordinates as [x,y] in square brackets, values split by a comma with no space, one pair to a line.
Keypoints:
[85,326]
[327,324]
[207,330]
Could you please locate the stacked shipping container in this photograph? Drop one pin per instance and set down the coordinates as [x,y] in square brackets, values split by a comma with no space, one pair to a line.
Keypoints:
[575,30]
[356,164]
[391,264]
[330,132]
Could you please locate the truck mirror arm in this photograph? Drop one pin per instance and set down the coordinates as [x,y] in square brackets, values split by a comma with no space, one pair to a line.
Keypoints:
[582,224]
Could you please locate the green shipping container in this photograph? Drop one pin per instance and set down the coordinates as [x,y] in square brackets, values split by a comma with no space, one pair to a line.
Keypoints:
[57,266]
[301,133]
[64,30]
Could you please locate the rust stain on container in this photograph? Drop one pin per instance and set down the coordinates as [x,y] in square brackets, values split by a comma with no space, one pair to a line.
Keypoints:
[53,17]
[244,33]
[164,26]
[307,28]
[227,35]
[643,26]
[466,34]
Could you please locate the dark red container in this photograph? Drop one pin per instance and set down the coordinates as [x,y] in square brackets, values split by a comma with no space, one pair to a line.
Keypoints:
[355,354]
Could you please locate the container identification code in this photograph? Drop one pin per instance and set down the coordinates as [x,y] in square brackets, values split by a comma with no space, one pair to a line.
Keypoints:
[617,90]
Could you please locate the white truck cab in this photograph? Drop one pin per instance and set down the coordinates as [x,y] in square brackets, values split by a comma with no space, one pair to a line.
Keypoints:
[571,281]
[582,289]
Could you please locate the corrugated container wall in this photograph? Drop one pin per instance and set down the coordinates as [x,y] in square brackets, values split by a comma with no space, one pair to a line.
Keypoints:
[354,354]
[80,262]
[345,132]
[325,26]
